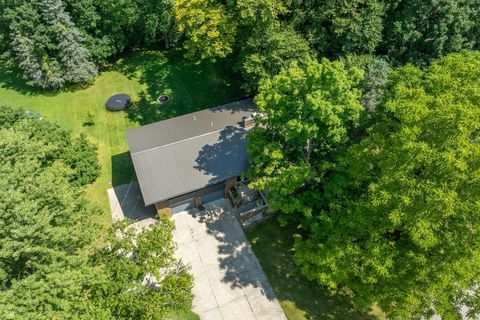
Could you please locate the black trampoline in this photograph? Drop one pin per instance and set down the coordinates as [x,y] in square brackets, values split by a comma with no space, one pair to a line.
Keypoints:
[118,102]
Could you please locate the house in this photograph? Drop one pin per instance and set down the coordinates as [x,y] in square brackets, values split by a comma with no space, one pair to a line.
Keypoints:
[191,159]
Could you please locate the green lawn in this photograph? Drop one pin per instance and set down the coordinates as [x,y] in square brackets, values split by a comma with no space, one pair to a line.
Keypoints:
[142,74]
[299,297]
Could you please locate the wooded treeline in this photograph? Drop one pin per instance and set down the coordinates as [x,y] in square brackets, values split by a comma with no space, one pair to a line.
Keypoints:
[57,42]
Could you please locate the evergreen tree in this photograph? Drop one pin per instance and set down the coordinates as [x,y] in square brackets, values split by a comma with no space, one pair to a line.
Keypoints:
[30,46]
[72,54]
[47,45]
[376,76]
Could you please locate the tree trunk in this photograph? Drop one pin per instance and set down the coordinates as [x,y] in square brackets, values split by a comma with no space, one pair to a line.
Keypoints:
[167,44]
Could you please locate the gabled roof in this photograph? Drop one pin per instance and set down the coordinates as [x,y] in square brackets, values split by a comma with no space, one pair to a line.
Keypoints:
[183,154]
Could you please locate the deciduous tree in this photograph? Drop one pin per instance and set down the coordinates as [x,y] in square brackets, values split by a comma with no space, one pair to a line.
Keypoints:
[267,51]
[48,237]
[78,153]
[337,28]
[208,27]
[310,111]
[398,220]
[158,22]
[418,31]
[143,278]
[46,226]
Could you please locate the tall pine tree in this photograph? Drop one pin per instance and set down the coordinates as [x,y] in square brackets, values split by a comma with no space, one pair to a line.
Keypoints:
[48,46]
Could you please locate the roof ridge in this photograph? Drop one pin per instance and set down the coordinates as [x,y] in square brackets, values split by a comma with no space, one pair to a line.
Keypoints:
[178,141]
[214,109]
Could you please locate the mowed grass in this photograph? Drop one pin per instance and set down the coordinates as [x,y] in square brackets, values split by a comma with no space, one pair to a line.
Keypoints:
[299,297]
[142,74]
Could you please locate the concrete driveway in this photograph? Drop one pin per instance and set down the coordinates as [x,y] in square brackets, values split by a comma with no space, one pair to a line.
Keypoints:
[126,201]
[229,281]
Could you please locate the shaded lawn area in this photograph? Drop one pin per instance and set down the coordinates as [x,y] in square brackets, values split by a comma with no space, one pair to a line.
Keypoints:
[142,74]
[299,297]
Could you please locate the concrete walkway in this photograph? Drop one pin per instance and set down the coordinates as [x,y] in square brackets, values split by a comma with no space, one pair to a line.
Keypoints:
[229,281]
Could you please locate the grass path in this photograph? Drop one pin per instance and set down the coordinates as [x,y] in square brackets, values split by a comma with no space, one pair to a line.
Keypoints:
[142,74]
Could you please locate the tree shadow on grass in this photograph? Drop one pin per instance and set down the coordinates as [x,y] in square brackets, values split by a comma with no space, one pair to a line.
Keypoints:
[11,78]
[144,111]
[273,245]
[122,169]
[190,86]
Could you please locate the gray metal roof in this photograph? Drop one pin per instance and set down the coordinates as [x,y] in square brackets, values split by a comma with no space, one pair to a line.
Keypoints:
[187,153]
[188,126]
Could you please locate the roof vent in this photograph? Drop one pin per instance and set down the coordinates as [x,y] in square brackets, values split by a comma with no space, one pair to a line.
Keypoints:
[194,118]
[248,122]
[211,124]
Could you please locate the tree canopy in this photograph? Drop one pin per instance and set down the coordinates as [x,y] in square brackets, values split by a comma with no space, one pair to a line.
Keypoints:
[50,267]
[376,162]
[45,222]
[391,214]
[143,279]
[254,35]
[309,112]
[419,31]
[208,27]
[338,28]
[269,50]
